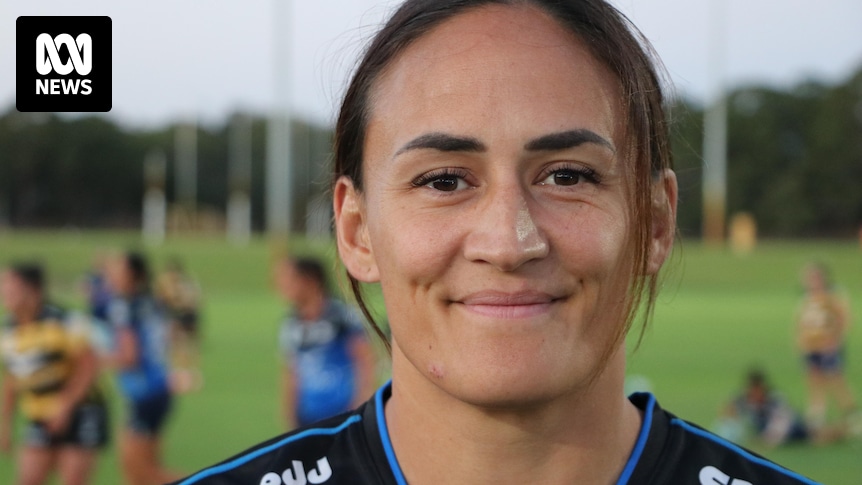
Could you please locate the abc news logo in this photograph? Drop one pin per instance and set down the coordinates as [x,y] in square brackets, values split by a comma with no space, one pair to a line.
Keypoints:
[72,68]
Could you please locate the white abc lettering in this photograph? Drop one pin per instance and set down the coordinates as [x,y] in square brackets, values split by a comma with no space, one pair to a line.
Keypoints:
[64,86]
[70,85]
[295,475]
[290,479]
[322,473]
[270,479]
[48,54]
[710,475]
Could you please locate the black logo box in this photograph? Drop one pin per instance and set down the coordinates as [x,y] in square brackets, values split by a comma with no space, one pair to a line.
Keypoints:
[27,29]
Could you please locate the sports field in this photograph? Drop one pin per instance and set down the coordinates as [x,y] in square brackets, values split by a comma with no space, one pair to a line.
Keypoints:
[717,315]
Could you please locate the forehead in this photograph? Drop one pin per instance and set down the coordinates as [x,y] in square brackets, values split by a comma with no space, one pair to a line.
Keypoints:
[6,275]
[10,277]
[491,61]
[285,268]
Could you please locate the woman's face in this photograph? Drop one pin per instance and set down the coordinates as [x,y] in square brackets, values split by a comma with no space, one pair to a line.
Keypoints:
[814,279]
[494,210]
[288,282]
[14,293]
[119,276]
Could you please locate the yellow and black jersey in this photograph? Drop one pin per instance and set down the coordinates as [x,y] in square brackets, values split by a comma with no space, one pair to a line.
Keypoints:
[820,326]
[40,358]
[177,292]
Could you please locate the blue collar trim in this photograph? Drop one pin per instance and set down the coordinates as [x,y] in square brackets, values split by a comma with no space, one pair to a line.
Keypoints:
[384,434]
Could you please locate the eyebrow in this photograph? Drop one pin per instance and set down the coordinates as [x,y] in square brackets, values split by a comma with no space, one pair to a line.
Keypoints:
[567,139]
[563,140]
[443,142]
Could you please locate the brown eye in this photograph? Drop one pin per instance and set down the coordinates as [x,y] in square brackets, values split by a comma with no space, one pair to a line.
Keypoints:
[447,180]
[570,176]
[566,177]
[445,183]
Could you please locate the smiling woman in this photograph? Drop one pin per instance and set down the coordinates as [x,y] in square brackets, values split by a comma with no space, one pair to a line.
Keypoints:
[502,171]
[512,270]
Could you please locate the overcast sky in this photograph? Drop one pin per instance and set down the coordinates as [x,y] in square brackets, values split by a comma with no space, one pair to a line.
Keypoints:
[184,58]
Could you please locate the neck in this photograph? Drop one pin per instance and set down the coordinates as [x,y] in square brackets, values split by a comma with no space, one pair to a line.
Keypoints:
[584,437]
[28,312]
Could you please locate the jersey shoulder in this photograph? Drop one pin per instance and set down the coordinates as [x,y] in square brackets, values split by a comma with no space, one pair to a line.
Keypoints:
[52,311]
[683,452]
[332,451]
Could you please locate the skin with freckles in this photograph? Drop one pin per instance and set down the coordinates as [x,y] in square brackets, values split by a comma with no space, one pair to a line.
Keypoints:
[512,271]
[495,215]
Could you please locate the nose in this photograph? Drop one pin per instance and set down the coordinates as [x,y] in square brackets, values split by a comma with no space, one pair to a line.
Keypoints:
[505,234]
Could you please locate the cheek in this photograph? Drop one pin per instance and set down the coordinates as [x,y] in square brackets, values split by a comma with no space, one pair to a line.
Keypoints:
[593,243]
[7,293]
[283,287]
[596,249]
[412,248]
[414,252]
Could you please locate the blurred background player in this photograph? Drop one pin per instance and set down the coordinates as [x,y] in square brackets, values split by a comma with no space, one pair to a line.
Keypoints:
[140,357]
[96,289]
[180,296]
[51,370]
[763,413]
[329,363]
[98,297]
[822,324]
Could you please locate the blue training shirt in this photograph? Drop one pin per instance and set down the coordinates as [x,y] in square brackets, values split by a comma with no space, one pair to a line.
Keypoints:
[318,352]
[142,315]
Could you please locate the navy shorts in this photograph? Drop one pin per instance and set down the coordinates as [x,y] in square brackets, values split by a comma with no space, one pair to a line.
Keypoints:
[88,428]
[826,362]
[148,416]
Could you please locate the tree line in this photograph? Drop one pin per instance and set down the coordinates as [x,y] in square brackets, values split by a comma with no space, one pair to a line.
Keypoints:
[794,163]
[89,172]
[794,158]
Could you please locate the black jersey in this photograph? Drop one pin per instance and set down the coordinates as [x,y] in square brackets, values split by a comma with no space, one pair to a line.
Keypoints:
[354,448]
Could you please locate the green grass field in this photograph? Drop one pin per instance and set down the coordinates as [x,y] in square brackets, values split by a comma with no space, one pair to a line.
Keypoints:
[717,315]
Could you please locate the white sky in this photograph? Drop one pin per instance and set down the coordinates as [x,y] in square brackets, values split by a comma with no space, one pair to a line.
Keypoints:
[184,58]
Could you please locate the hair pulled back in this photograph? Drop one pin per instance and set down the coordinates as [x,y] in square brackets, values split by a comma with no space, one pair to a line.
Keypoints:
[610,37]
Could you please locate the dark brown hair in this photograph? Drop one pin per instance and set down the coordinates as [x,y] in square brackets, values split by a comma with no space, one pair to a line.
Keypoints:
[610,37]
[30,274]
[140,270]
[312,269]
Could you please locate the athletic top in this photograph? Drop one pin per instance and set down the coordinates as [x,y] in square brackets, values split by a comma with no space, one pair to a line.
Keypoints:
[98,295]
[41,358]
[820,325]
[178,292]
[318,352]
[354,448]
[149,376]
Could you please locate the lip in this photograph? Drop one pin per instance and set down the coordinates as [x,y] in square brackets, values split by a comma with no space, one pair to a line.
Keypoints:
[503,305]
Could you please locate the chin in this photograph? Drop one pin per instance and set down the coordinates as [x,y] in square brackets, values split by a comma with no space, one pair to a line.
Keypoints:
[512,398]
[505,387]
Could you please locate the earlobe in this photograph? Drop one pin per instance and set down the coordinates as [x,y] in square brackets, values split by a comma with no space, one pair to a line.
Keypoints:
[665,193]
[351,232]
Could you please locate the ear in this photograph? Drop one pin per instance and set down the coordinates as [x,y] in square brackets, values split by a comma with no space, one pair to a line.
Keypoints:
[664,199]
[351,232]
